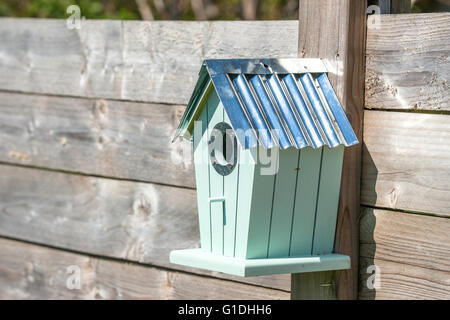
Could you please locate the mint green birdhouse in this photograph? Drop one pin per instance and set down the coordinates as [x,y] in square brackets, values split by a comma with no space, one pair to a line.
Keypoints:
[269,138]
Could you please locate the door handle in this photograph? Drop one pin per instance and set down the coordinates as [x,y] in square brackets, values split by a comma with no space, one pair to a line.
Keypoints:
[217,199]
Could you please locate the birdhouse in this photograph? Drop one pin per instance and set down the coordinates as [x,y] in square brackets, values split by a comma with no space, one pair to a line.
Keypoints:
[269,138]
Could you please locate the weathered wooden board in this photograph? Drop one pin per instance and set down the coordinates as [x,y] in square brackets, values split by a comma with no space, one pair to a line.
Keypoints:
[406,161]
[405,238]
[335,31]
[128,220]
[119,139]
[408,62]
[154,61]
[402,281]
[34,272]
[304,286]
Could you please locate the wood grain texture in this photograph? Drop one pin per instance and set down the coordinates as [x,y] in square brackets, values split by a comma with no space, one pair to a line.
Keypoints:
[402,281]
[121,219]
[304,286]
[405,238]
[335,31]
[407,63]
[406,161]
[154,61]
[99,137]
[33,272]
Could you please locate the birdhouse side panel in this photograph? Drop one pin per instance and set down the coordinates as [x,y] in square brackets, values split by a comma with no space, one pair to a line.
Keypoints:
[283,203]
[260,211]
[247,165]
[293,213]
[305,202]
[231,189]
[328,200]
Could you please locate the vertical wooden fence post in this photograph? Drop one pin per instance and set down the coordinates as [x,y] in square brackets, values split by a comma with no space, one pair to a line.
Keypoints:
[335,30]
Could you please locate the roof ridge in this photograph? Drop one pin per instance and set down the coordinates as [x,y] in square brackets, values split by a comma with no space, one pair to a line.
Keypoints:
[276,102]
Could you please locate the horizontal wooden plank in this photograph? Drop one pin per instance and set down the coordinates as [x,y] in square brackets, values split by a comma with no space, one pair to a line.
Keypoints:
[406,161]
[128,220]
[155,61]
[405,238]
[401,281]
[101,137]
[34,272]
[407,65]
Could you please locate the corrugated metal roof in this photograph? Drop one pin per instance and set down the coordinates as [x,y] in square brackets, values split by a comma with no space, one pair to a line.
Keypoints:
[276,102]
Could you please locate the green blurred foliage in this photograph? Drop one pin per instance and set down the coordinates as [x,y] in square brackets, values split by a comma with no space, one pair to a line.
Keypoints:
[128,9]
[173,9]
[91,9]
[424,6]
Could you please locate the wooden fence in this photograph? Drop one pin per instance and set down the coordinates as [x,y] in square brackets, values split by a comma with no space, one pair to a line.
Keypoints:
[90,178]
[405,187]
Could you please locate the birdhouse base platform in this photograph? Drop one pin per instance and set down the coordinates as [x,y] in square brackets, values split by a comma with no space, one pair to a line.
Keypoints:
[198,258]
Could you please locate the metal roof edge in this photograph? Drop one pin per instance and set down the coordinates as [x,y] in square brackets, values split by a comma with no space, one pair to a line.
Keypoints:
[306,111]
[203,82]
[265,66]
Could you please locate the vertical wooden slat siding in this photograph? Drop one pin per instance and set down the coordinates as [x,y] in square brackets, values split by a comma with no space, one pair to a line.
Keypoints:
[231,189]
[261,211]
[335,31]
[283,204]
[216,181]
[328,199]
[305,202]
[201,160]
[247,170]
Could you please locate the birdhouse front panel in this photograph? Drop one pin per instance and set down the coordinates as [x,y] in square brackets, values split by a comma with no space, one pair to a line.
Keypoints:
[269,138]
[217,179]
